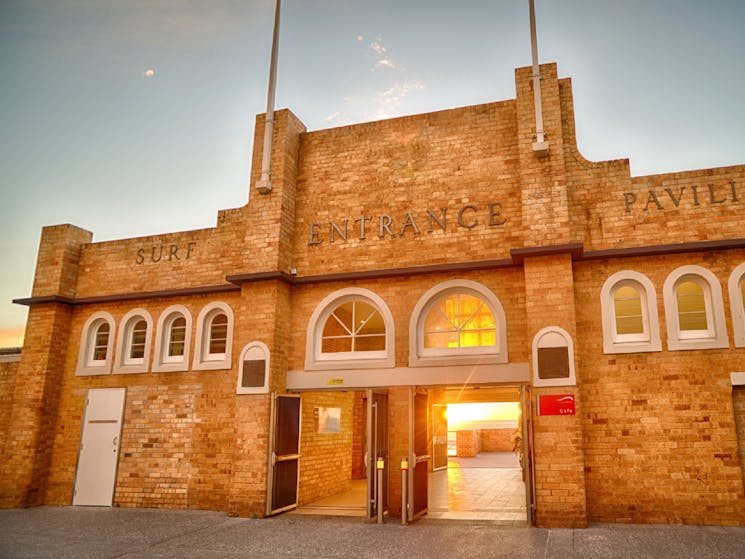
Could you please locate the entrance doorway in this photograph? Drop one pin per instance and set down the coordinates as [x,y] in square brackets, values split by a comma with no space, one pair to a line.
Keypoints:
[484,477]
[343,435]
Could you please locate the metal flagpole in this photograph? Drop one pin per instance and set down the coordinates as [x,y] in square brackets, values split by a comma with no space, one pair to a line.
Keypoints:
[264,185]
[540,146]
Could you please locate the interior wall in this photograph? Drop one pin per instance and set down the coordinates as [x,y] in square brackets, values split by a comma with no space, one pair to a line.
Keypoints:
[325,458]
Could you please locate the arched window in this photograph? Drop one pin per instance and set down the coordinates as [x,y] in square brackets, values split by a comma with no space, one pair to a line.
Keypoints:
[457,322]
[173,341]
[214,338]
[351,328]
[629,309]
[133,344]
[737,303]
[96,345]
[694,310]
[100,343]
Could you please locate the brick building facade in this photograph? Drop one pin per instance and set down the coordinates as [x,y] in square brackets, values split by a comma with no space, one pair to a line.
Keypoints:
[399,258]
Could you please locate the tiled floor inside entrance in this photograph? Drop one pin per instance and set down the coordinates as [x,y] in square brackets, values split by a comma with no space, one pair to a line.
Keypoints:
[486,487]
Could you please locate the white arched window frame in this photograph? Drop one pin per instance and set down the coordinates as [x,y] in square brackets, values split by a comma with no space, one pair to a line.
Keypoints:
[715,335]
[554,338]
[737,303]
[253,361]
[317,360]
[132,344]
[168,337]
[204,357]
[646,341]
[91,349]
[419,356]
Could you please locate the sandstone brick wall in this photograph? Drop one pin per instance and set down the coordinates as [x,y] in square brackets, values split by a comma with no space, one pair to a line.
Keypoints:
[448,159]
[326,458]
[8,371]
[659,435]
[467,443]
[497,440]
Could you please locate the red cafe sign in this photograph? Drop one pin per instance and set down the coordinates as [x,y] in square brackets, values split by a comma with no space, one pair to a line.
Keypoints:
[556,404]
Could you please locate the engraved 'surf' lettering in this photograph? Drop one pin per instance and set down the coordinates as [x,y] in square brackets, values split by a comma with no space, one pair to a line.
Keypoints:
[159,252]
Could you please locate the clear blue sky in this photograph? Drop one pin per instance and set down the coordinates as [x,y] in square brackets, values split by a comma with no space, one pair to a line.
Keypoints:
[135,117]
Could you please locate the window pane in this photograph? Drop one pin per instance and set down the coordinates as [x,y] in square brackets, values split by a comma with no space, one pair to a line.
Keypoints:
[459,320]
[481,318]
[691,306]
[436,322]
[334,327]
[336,345]
[368,320]
[139,333]
[441,340]
[742,293]
[369,343]
[627,304]
[178,337]
[218,334]
[478,338]
[101,342]
[353,326]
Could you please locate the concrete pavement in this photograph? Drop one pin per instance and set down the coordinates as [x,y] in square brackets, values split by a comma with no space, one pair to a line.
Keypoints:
[88,532]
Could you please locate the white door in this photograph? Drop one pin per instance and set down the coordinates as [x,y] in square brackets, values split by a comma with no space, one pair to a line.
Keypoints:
[99,447]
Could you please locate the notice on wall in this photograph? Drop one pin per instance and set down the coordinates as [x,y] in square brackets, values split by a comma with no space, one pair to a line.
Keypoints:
[327,420]
[556,404]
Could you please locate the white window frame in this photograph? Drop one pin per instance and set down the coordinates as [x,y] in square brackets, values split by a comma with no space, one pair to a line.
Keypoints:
[86,365]
[203,359]
[736,304]
[650,340]
[123,363]
[254,350]
[715,336]
[419,356]
[316,360]
[553,336]
[163,362]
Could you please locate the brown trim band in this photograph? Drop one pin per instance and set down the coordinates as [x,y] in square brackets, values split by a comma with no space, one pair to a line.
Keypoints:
[576,250]
[203,290]
[657,250]
[372,274]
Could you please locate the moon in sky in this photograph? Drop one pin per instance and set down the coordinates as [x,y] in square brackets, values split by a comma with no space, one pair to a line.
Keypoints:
[149,73]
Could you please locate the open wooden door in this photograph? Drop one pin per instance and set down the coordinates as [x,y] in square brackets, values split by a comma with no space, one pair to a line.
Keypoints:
[284,453]
[419,458]
[377,445]
[528,459]
[439,437]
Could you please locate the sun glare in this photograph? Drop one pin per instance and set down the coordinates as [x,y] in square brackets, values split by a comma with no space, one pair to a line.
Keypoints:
[458,414]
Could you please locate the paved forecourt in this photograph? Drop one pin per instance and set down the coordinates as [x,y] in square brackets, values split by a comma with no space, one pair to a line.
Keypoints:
[78,532]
